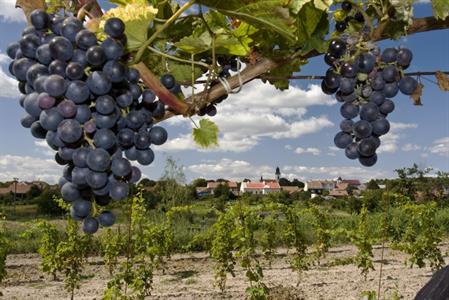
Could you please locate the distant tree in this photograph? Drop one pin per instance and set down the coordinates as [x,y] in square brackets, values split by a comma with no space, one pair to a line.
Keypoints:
[199,182]
[372,185]
[223,191]
[285,182]
[372,199]
[298,183]
[147,182]
[222,180]
[246,180]
[46,205]
[171,187]
[34,192]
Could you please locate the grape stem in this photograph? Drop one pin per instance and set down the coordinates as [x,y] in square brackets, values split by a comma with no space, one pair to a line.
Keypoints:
[158,52]
[172,19]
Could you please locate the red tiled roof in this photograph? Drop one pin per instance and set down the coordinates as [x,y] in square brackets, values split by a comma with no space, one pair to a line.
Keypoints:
[255,185]
[351,181]
[22,188]
[273,185]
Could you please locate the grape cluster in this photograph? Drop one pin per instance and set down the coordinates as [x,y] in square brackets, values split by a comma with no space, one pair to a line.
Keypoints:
[365,81]
[347,15]
[90,108]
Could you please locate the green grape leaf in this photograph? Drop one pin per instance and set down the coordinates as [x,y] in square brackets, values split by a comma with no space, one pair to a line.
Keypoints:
[182,71]
[440,8]
[137,16]
[206,135]
[195,45]
[296,5]
[312,26]
[227,41]
[268,14]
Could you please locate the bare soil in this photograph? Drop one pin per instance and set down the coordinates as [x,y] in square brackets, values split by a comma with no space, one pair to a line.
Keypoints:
[192,277]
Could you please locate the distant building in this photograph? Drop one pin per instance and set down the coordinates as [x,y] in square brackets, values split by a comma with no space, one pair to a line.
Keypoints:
[317,187]
[291,189]
[260,188]
[232,185]
[21,188]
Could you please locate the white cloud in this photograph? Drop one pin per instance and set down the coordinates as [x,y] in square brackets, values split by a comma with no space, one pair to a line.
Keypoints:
[411,147]
[390,141]
[28,168]
[440,147]
[240,169]
[42,147]
[9,13]
[309,150]
[259,112]
[8,85]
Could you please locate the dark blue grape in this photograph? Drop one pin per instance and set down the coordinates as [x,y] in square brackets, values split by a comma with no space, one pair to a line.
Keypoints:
[125,137]
[408,85]
[106,219]
[369,111]
[391,89]
[389,55]
[50,119]
[21,66]
[61,48]
[390,73]
[55,85]
[368,161]
[57,67]
[145,157]
[70,192]
[351,151]
[377,97]
[404,57]
[158,135]
[95,56]
[112,49]
[70,131]
[142,140]
[11,50]
[96,180]
[79,175]
[79,157]
[118,190]
[349,110]
[115,71]
[104,138]
[70,28]
[337,48]
[342,140]
[105,105]
[31,105]
[362,129]
[346,126]
[77,91]
[39,19]
[124,100]
[43,54]
[121,167]
[133,75]
[386,107]
[29,44]
[27,121]
[135,174]
[98,160]
[366,62]
[380,126]
[90,225]
[74,71]
[85,39]
[98,83]
[168,81]
[114,27]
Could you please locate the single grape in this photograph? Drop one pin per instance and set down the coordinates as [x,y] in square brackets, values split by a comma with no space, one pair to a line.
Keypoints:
[39,19]
[391,89]
[112,49]
[96,180]
[74,71]
[368,161]
[389,55]
[404,57]
[390,73]
[79,157]
[367,147]
[386,107]
[408,85]
[70,192]
[85,39]
[349,110]
[348,70]
[104,138]
[55,85]
[70,28]
[145,157]
[380,126]
[90,225]
[351,151]
[61,48]
[121,167]
[337,48]
[168,81]
[341,26]
[70,131]
[98,83]
[57,67]
[158,135]
[118,190]
[346,125]
[78,92]
[95,56]
[98,160]
[362,129]
[342,140]
[114,27]
[369,111]
[106,219]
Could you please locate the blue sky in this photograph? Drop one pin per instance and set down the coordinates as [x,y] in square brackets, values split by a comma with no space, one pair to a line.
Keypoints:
[261,128]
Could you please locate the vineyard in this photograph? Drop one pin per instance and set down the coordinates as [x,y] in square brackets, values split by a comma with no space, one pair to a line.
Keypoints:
[97,84]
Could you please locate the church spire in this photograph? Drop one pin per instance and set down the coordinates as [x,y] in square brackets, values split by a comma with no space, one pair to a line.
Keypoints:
[278,173]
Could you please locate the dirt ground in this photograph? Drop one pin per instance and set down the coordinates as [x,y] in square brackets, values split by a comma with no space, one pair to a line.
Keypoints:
[192,277]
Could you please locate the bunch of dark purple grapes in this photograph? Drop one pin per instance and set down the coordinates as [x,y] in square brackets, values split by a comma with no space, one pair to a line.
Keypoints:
[365,81]
[352,15]
[89,106]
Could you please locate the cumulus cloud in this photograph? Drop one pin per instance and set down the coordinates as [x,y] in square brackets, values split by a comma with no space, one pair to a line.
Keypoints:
[411,147]
[8,85]
[42,147]
[240,169]
[28,168]
[390,142]
[9,13]
[260,112]
[309,150]
[440,147]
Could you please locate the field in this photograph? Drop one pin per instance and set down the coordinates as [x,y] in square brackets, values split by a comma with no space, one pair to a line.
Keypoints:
[190,276]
